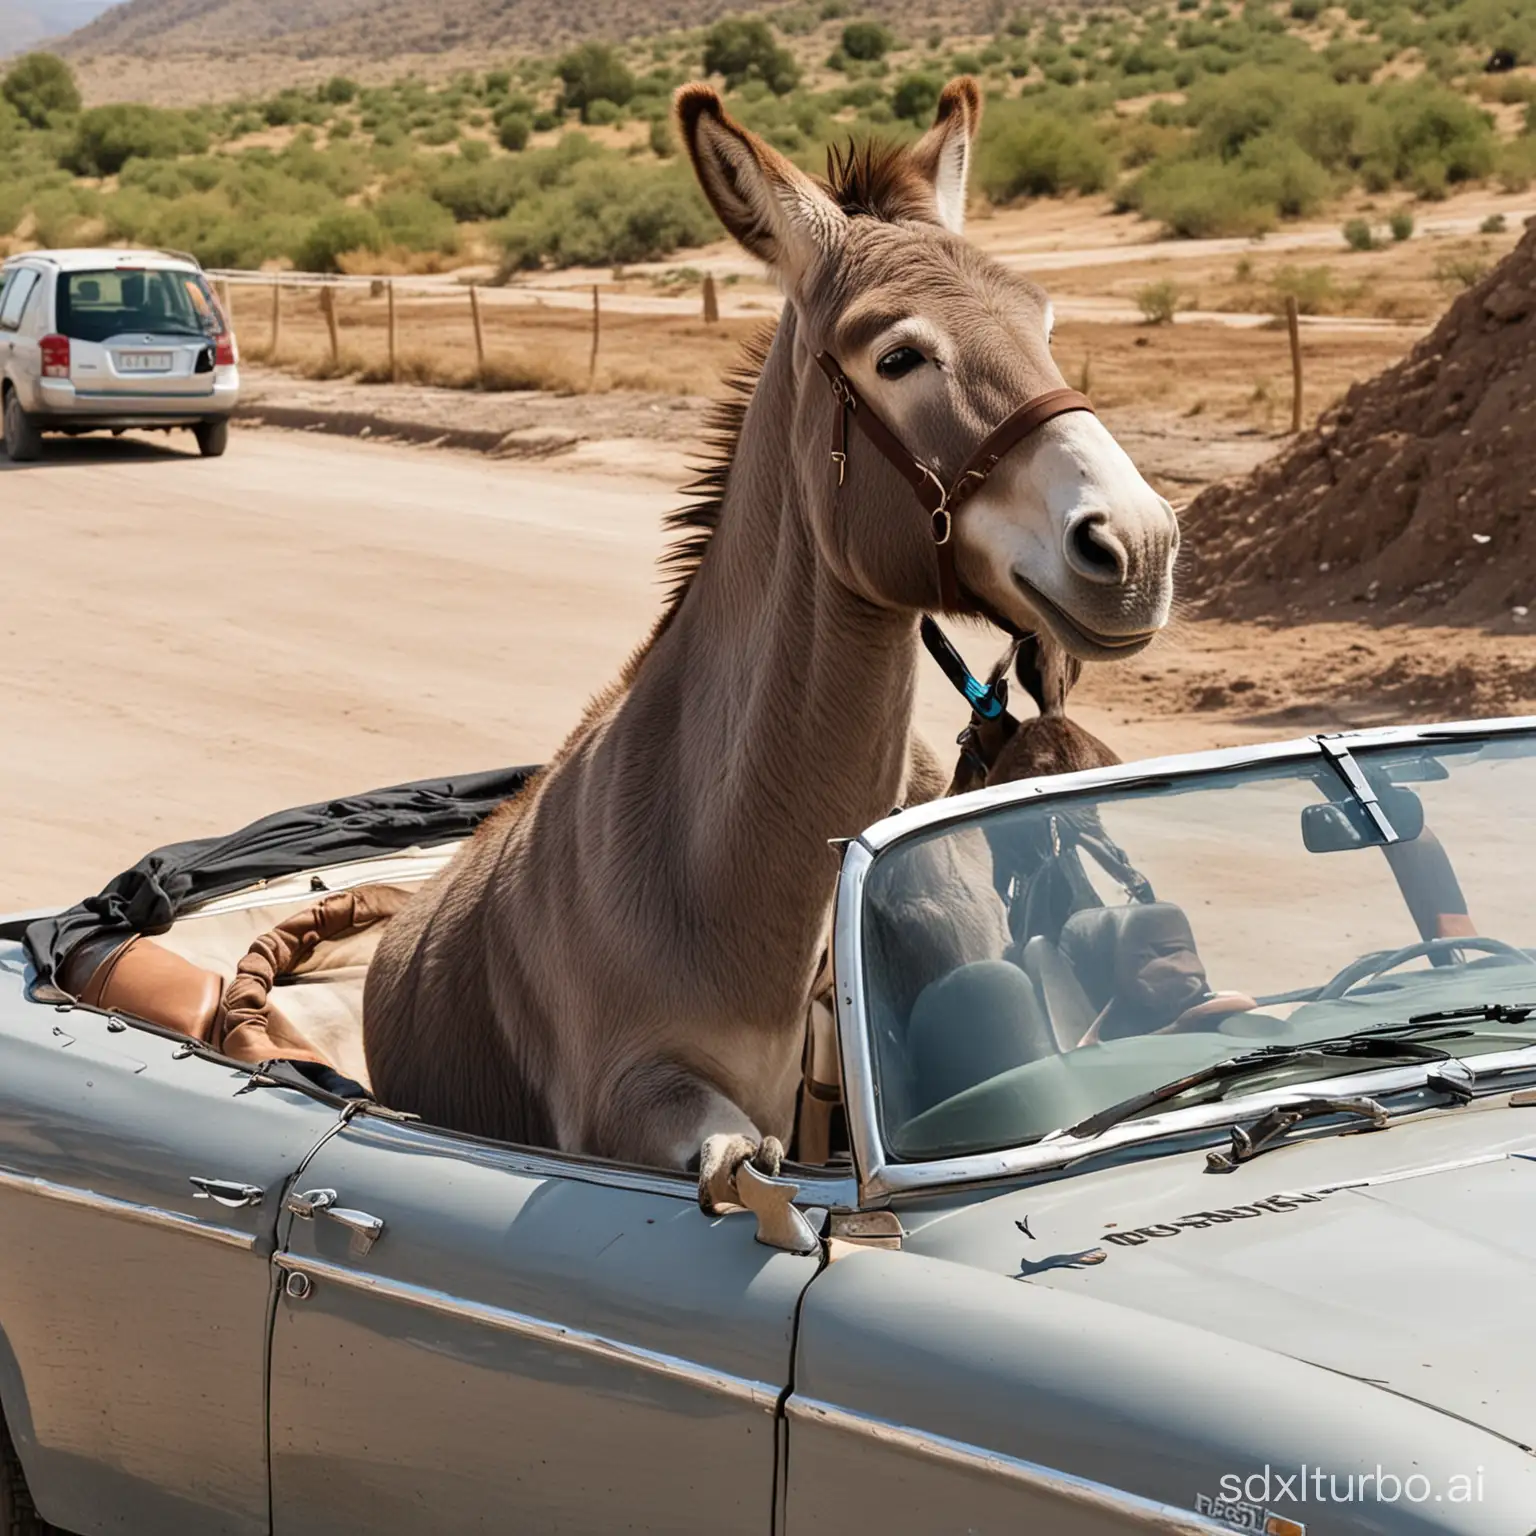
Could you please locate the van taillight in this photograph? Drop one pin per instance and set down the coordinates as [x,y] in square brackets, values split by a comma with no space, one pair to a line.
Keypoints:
[224,350]
[55,350]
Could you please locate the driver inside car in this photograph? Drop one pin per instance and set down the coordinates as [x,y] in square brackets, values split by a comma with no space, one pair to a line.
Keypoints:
[1139,968]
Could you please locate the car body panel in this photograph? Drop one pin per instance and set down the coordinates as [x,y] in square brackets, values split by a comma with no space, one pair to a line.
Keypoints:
[1404,1257]
[930,1395]
[134,1314]
[588,1351]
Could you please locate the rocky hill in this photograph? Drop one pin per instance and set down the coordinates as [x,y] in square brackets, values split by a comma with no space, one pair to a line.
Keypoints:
[379,29]
[1412,499]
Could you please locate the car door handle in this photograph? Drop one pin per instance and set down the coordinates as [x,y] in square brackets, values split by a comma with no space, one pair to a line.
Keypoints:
[366,1230]
[226,1192]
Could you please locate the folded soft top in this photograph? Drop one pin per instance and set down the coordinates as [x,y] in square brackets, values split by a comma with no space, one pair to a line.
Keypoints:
[147,898]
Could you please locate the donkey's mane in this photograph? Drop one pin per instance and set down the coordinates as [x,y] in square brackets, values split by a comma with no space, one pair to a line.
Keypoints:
[871,179]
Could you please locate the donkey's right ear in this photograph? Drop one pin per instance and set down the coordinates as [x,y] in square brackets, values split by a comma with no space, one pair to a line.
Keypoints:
[771,206]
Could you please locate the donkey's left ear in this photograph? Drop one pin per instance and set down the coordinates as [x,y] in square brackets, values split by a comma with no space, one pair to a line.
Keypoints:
[943,154]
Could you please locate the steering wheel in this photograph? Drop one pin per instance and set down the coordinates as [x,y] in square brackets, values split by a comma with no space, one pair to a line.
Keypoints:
[1379,964]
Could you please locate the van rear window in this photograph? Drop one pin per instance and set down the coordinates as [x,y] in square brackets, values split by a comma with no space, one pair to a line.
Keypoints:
[96,306]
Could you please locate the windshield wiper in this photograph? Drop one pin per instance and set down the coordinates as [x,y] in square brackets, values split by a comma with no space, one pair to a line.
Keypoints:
[1255,1063]
[1267,1131]
[1492,1013]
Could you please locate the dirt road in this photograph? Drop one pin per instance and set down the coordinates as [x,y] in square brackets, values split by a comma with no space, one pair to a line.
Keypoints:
[189,644]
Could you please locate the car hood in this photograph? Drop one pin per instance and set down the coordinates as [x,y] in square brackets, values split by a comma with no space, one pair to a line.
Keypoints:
[1405,1257]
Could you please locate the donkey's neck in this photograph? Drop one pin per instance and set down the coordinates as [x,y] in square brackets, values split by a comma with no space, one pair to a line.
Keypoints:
[787,697]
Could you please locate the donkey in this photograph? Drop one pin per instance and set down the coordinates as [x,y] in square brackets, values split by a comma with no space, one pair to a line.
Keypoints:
[618,963]
[1000,749]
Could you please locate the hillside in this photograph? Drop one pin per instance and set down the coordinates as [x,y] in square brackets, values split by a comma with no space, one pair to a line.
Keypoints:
[381,29]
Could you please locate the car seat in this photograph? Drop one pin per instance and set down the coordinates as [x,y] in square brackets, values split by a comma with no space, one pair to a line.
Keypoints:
[970,1025]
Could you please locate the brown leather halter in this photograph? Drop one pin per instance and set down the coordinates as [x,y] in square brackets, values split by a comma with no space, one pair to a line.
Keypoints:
[939,501]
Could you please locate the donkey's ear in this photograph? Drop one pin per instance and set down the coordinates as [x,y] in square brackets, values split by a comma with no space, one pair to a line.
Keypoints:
[943,154]
[771,206]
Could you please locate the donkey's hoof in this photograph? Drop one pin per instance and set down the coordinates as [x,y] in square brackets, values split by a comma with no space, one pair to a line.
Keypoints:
[769,1157]
[719,1159]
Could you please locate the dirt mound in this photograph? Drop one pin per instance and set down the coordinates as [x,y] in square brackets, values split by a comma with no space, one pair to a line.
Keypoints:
[1414,496]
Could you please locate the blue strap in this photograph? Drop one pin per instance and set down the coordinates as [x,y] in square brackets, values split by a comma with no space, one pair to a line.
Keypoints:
[982,697]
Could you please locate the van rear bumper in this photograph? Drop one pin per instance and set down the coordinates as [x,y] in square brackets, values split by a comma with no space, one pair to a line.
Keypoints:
[61,403]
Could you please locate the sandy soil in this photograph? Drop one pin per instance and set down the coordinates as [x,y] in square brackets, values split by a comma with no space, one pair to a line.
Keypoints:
[190,644]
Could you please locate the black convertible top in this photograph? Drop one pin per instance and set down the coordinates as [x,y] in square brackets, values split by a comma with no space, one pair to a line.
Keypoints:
[147,898]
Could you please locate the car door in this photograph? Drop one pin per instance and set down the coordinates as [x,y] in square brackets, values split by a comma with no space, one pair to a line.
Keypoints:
[472,1337]
[18,351]
[134,1300]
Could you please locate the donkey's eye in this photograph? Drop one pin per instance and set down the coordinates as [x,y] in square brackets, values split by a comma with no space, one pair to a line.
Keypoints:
[899,362]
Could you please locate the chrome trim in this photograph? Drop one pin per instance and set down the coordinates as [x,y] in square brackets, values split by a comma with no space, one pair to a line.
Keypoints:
[1081,1492]
[127,1210]
[829,1191]
[757,1394]
[879,1180]
[960,807]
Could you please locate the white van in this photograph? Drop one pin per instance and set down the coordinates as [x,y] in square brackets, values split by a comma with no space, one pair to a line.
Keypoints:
[94,340]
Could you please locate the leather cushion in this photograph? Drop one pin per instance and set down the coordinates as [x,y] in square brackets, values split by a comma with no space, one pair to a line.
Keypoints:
[146,980]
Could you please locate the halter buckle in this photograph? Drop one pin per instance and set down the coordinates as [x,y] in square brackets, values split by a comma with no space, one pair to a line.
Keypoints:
[943,522]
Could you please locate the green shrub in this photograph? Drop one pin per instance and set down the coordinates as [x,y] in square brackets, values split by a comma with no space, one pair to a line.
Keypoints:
[1201,198]
[1358,235]
[662,142]
[742,48]
[593,72]
[342,128]
[333,235]
[1494,224]
[1401,224]
[416,222]
[106,138]
[545,121]
[513,131]
[1158,302]
[42,89]
[866,40]
[1463,271]
[605,211]
[1311,287]
[916,96]
[603,113]
[1027,151]
[339,90]
[1306,10]
[498,82]
[1517,164]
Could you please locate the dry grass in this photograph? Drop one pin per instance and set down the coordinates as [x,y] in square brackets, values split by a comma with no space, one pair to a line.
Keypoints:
[527,346]
[1219,373]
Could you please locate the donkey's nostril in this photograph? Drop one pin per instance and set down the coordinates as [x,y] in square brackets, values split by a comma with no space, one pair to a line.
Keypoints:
[1093,551]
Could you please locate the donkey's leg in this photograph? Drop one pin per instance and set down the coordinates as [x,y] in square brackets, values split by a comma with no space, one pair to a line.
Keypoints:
[663,1115]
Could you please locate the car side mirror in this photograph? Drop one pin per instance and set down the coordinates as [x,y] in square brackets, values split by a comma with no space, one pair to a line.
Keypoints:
[1338,825]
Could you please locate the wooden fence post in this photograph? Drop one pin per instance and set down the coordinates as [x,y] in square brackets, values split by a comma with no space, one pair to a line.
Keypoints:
[1293,323]
[711,300]
[277,320]
[328,309]
[474,312]
[394,357]
[597,325]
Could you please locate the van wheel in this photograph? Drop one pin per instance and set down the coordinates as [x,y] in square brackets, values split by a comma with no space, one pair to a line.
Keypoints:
[212,438]
[23,441]
[18,1516]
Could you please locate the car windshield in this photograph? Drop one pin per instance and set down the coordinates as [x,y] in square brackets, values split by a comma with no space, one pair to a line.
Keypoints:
[1033,964]
[118,301]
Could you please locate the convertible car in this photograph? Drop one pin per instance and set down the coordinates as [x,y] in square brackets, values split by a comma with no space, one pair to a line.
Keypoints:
[1206,1202]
